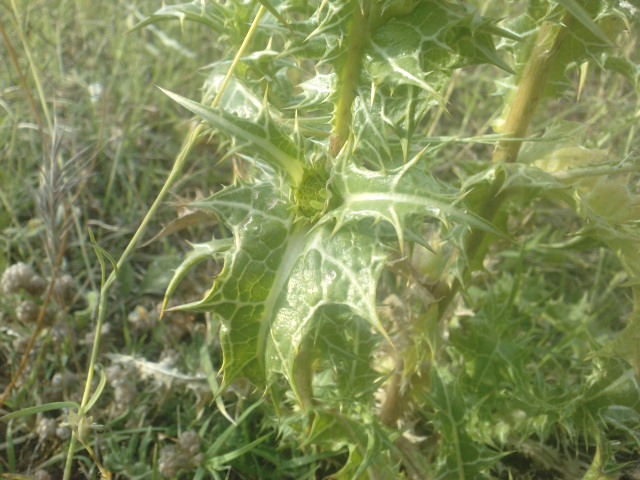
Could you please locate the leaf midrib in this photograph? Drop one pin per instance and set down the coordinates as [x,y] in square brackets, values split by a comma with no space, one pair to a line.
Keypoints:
[295,245]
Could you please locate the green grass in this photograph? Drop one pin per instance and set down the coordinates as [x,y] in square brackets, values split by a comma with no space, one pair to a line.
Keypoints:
[117,138]
[496,355]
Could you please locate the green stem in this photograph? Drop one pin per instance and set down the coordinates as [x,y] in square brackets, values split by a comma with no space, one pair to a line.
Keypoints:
[521,111]
[32,67]
[106,287]
[531,88]
[13,56]
[175,173]
[243,48]
[392,406]
[349,76]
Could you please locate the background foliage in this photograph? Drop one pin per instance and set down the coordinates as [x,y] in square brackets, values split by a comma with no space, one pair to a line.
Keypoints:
[393,284]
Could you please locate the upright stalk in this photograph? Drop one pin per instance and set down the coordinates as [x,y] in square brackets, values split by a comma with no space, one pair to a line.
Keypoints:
[530,90]
[34,72]
[350,75]
[523,105]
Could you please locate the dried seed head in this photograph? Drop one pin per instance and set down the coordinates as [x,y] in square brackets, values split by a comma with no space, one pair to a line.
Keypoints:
[171,461]
[125,393]
[63,433]
[46,428]
[185,455]
[104,332]
[27,311]
[19,343]
[65,290]
[63,382]
[41,475]
[116,374]
[36,287]
[17,277]
[142,320]
[189,441]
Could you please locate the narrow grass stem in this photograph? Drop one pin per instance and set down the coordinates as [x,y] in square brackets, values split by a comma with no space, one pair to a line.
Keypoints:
[55,240]
[236,60]
[106,286]
[349,76]
[32,67]
[23,81]
[175,173]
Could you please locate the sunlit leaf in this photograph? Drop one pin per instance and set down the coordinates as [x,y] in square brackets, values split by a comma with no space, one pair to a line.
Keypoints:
[584,18]
[261,135]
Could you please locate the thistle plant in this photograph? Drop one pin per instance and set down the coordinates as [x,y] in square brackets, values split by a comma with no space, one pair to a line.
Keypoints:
[349,199]
[426,260]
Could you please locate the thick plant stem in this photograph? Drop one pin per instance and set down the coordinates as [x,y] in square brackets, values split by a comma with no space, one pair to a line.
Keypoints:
[530,89]
[520,114]
[392,405]
[534,81]
[349,76]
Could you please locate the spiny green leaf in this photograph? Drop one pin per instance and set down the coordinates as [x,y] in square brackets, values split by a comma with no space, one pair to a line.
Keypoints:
[436,37]
[624,67]
[237,98]
[461,457]
[194,12]
[368,444]
[626,344]
[619,386]
[212,380]
[269,6]
[316,92]
[279,277]
[581,44]
[333,269]
[261,135]
[255,270]
[584,18]
[393,195]
[518,177]
[276,278]
[200,253]
[322,34]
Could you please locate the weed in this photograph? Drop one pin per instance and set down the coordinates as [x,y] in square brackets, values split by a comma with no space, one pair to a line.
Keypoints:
[425,257]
